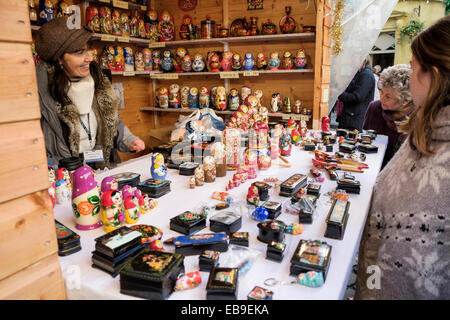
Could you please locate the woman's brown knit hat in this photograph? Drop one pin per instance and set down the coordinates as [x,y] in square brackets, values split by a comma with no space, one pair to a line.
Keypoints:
[55,38]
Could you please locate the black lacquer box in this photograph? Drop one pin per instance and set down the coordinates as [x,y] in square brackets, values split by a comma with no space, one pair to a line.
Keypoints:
[188,222]
[151,274]
[127,178]
[222,284]
[273,207]
[191,245]
[341,132]
[259,293]
[113,266]
[208,260]
[291,186]
[188,168]
[313,189]
[275,251]
[225,221]
[337,219]
[298,196]
[311,255]
[347,148]
[271,230]
[155,188]
[329,148]
[367,148]
[349,185]
[68,240]
[309,147]
[366,138]
[239,238]
[263,190]
[306,211]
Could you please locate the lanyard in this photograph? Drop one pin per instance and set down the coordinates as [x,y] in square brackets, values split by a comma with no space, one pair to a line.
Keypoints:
[86,129]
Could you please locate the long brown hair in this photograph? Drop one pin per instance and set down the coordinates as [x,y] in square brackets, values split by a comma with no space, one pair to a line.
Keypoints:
[431,49]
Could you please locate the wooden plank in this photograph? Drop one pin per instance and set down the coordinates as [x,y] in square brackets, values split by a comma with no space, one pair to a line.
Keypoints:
[27,232]
[318,59]
[15,25]
[40,281]
[18,89]
[23,162]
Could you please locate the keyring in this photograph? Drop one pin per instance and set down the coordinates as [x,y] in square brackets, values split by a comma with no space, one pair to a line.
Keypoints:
[271,282]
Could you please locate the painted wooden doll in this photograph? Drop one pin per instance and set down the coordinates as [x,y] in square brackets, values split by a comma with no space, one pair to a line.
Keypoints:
[287,63]
[221,99]
[132,211]
[204,98]
[300,59]
[253,195]
[185,97]
[174,96]
[199,176]
[209,168]
[134,24]
[46,11]
[227,61]
[162,97]
[158,169]
[275,103]
[167,61]
[237,65]
[105,20]
[109,183]
[261,62]
[156,57]
[64,174]
[151,24]
[198,65]
[213,62]
[218,152]
[274,61]
[166,27]
[139,61]
[113,214]
[129,60]
[193,98]
[125,24]
[86,200]
[179,55]
[285,145]
[186,63]
[93,19]
[233,99]
[148,60]
[248,62]
[146,203]
[115,23]
[62,194]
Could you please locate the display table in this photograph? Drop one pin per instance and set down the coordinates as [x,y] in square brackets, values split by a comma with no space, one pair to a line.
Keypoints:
[85,282]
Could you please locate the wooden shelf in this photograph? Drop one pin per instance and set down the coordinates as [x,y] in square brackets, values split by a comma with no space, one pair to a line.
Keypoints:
[118,4]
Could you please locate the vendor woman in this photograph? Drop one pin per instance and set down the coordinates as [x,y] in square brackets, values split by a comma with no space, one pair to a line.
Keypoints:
[79,106]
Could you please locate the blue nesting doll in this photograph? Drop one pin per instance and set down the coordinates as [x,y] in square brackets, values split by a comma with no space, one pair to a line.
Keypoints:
[158,169]
[248,62]
[193,98]
[167,61]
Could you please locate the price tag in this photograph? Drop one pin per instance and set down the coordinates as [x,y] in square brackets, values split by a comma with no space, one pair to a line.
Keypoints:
[120,4]
[105,1]
[165,76]
[229,75]
[285,116]
[144,8]
[108,37]
[251,73]
[123,39]
[129,74]
[156,44]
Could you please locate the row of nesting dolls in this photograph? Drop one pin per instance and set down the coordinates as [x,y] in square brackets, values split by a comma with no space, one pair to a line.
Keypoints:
[112,21]
[43,11]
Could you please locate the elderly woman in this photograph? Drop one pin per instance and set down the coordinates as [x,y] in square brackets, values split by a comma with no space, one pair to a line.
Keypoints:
[79,107]
[394,104]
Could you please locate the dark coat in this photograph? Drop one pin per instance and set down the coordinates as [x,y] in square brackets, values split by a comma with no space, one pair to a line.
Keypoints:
[356,98]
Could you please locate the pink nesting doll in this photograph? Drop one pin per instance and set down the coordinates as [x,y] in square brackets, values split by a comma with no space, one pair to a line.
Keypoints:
[85,200]
[109,183]
[112,210]
[131,205]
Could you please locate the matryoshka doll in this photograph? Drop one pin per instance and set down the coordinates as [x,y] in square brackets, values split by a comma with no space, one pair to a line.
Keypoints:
[204,98]
[119,58]
[233,99]
[227,61]
[180,54]
[166,27]
[62,9]
[156,57]
[245,92]
[148,61]
[209,168]
[131,206]
[52,188]
[109,183]
[33,11]
[139,61]
[218,152]
[295,137]
[285,145]
[232,148]
[115,23]
[186,63]
[174,96]
[275,103]
[291,124]
[158,169]
[134,24]
[129,60]
[213,62]
[261,62]
[186,28]
[297,109]
[93,19]
[193,98]
[287,105]
[142,33]
[237,65]
[64,174]
[213,96]
[125,24]
[62,194]
[198,64]
[146,203]
[274,61]
[325,124]
[275,141]
[287,63]
[86,199]
[303,129]
[151,24]
[199,176]
[163,97]
[221,99]
[248,62]
[185,97]
[113,214]
[253,195]
[46,11]
[300,59]
[105,20]
[259,95]
[167,61]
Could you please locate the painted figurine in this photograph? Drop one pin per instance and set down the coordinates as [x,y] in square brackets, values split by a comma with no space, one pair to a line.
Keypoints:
[192,183]
[253,195]
[285,145]
[287,105]
[245,92]
[204,97]
[248,62]
[151,24]
[86,200]
[187,28]
[221,99]
[62,194]
[166,27]
[142,33]
[275,103]
[93,19]
[261,62]
[218,152]
[134,23]
[162,97]
[287,63]
[233,99]
[132,211]
[139,61]
[209,168]
[237,65]
[303,129]
[125,24]
[178,60]
[167,61]
[156,57]
[325,124]
[158,169]
[300,59]
[105,20]
[46,11]
[174,96]
[198,64]
[186,63]
[297,109]
[199,176]
[227,61]
[148,60]
[146,203]
[113,214]
[193,98]
[115,23]
[274,61]
[109,183]
[213,62]
[185,97]
[129,60]
[64,174]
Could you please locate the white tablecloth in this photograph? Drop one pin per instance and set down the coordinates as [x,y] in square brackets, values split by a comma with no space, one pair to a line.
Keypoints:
[85,282]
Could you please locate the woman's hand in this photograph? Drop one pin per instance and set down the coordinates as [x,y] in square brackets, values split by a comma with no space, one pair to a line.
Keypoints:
[137,145]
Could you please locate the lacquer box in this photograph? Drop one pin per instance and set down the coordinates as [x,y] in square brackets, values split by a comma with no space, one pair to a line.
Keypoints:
[337,219]
[225,221]
[188,168]
[349,185]
[68,241]
[273,207]
[188,222]
[275,251]
[155,188]
[263,190]
[311,256]
[367,148]
[239,238]
[151,274]
[341,132]
[291,186]
[259,293]
[222,284]
[127,178]
[313,189]
[208,260]
[347,148]
[305,211]
[271,230]
[309,146]
[149,233]
[298,196]
[195,244]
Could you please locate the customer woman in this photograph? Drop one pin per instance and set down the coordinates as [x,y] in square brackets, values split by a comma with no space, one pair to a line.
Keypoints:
[79,107]
[394,104]
[404,252]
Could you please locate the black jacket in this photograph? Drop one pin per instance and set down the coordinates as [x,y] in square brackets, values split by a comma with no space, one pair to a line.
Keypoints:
[356,99]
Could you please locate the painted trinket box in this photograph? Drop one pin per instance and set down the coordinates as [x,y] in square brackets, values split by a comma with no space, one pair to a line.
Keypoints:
[337,219]
[309,147]
[208,260]
[155,188]
[259,293]
[367,148]
[299,196]
[68,240]
[313,189]
[342,133]
[151,274]
[149,233]
[222,284]
[291,186]
[195,244]
[127,178]
[275,251]
[239,238]
[188,168]
[188,222]
[263,190]
[349,185]
[226,221]
[271,230]
[273,207]
[311,256]
[346,148]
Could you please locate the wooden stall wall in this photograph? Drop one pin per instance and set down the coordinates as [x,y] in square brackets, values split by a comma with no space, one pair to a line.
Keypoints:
[29,267]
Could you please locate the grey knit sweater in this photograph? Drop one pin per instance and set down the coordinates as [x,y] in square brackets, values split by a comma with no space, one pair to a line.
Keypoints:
[407,233]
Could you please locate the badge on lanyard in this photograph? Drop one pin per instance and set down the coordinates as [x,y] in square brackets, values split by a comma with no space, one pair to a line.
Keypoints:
[93,156]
